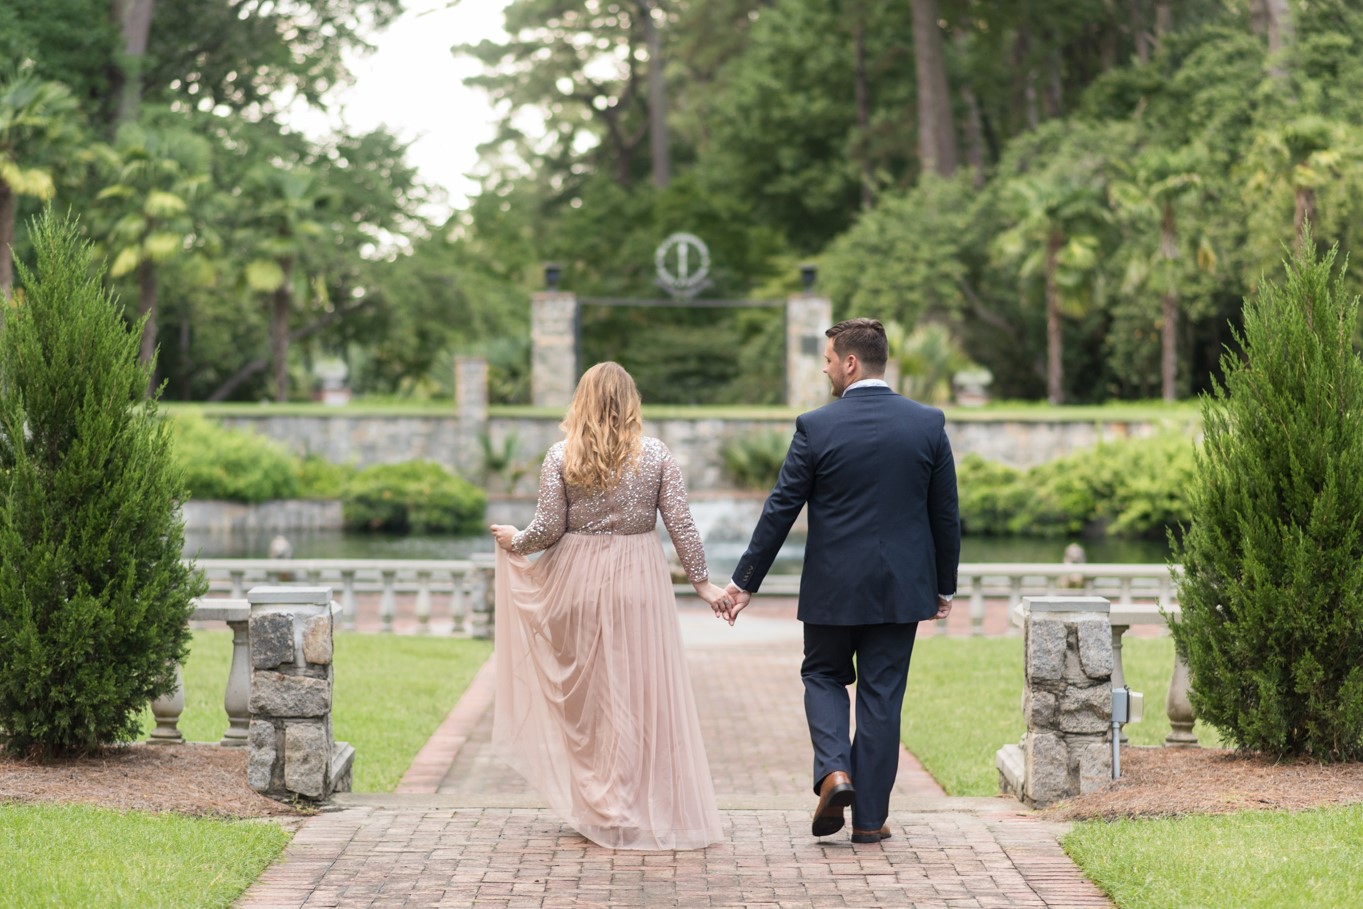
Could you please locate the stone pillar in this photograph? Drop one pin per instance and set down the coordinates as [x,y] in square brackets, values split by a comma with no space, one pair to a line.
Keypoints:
[292,754]
[807,318]
[553,358]
[1066,702]
[483,596]
[470,398]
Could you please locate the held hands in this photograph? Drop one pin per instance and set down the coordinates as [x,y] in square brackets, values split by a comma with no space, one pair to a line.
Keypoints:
[740,598]
[504,534]
[715,596]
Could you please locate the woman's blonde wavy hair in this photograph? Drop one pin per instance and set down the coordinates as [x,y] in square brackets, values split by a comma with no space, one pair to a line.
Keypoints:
[604,428]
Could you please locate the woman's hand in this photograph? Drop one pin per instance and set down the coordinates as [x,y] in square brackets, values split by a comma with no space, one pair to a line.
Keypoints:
[716,597]
[504,534]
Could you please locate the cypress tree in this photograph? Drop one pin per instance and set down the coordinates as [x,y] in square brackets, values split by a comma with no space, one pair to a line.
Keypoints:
[94,596]
[1272,595]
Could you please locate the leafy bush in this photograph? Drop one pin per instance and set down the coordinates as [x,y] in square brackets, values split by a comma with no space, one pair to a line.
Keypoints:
[233,464]
[1133,488]
[754,461]
[319,478]
[415,496]
[94,596]
[1272,594]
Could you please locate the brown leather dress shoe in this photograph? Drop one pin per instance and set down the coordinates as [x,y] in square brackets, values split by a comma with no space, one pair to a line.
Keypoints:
[870,836]
[835,794]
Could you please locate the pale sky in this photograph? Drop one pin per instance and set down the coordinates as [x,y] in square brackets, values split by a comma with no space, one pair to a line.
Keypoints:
[413,84]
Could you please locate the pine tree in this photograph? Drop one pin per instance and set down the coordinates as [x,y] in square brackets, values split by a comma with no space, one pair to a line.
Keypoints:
[1272,597]
[94,596]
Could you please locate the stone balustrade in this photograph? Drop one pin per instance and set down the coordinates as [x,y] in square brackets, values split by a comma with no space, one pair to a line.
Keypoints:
[457,590]
[236,613]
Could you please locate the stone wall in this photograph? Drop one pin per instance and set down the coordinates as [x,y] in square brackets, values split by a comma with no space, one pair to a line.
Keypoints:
[366,440]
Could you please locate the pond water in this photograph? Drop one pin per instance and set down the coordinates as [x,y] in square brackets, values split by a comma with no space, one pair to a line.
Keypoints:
[336,544]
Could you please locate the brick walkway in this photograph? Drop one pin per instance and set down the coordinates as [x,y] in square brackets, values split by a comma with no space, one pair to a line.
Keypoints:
[463,830]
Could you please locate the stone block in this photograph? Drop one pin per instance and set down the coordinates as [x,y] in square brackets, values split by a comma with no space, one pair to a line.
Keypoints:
[317,645]
[1012,769]
[261,756]
[1095,646]
[271,640]
[1048,768]
[1095,765]
[1085,710]
[307,759]
[1038,709]
[1046,646]
[277,695]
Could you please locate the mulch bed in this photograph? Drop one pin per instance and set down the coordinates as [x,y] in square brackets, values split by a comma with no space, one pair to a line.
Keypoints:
[1169,782]
[188,779]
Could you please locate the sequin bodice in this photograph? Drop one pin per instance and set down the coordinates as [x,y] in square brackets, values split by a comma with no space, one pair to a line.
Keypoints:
[654,486]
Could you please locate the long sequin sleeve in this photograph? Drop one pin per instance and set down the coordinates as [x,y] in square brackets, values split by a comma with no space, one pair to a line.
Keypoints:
[551,511]
[681,527]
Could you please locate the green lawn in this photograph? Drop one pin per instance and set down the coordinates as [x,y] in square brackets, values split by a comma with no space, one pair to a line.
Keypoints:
[72,857]
[392,691]
[963,703]
[1248,860]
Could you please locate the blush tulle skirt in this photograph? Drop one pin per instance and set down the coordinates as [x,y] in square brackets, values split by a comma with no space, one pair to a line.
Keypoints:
[594,704]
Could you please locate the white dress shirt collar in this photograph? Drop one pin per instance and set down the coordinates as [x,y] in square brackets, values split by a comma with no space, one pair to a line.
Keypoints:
[867,383]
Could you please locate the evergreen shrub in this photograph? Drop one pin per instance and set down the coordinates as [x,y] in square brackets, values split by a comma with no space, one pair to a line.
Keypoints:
[94,596]
[1272,592]
[233,464]
[414,496]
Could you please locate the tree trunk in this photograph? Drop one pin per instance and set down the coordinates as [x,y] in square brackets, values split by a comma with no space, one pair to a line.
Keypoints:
[1305,213]
[1169,310]
[974,129]
[231,383]
[1273,18]
[134,19]
[7,214]
[1164,19]
[936,132]
[863,102]
[146,280]
[657,98]
[279,332]
[1026,85]
[1055,368]
[186,363]
[1139,33]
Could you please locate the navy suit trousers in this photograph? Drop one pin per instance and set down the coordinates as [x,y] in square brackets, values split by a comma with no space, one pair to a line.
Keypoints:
[876,658]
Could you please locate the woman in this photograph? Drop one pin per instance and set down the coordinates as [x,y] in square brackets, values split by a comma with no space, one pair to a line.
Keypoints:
[594,703]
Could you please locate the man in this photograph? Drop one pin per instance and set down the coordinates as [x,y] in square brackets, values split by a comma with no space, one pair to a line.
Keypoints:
[876,471]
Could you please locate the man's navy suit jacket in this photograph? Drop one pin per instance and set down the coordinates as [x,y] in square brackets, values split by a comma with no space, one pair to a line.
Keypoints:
[876,472]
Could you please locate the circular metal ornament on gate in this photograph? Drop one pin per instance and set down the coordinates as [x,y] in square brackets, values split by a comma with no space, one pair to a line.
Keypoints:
[683,263]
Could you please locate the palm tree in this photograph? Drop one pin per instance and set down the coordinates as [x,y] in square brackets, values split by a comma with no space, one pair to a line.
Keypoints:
[35,116]
[1054,234]
[1305,153]
[156,176]
[1161,181]
[285,201]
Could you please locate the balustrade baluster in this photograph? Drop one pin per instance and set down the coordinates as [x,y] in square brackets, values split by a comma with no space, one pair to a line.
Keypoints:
[388,605]
[1179,708]
[458,603]
[1118,673]
[238,583]
[1125,598]
[348,598]
[976,604]
[237,701]
[423,601]
[167,709]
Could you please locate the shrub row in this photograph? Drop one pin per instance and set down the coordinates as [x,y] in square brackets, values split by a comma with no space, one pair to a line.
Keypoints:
[241,466]
[1135,488]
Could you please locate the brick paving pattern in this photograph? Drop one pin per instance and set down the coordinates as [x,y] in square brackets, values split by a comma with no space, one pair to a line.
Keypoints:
[462,830]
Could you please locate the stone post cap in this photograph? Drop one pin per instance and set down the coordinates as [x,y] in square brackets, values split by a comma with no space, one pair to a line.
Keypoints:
[292,596]
[1066,604]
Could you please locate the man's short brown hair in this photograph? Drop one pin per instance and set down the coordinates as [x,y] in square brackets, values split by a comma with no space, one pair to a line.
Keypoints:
[865,338]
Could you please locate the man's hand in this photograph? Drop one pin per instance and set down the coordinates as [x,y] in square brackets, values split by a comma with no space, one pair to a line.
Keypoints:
[740,598]
[943,608]
[504,534]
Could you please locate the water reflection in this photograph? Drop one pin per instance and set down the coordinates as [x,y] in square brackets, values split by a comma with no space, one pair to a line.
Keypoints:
[722,553]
